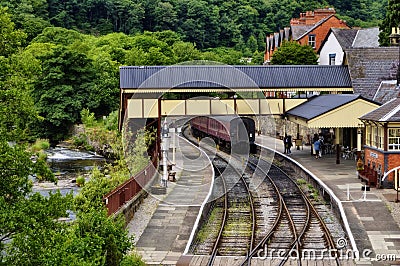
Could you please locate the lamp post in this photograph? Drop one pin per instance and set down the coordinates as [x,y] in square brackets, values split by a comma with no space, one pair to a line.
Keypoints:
[234,103]
[360,130]
[165,148]
[395,40]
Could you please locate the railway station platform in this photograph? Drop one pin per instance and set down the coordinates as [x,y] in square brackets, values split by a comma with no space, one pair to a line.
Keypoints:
[369,213]
[168,230]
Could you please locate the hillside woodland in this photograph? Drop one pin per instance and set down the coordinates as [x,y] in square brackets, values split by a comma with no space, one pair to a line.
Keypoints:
[62,56]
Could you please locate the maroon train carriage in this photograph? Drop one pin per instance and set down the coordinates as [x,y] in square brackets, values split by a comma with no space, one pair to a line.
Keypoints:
[227,131]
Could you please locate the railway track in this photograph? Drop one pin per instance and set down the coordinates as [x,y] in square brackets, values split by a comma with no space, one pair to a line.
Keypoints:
[231,220]
[277,220]
[299,231]
[235,233]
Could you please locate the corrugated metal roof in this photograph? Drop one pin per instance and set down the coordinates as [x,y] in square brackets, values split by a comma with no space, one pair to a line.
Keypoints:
[232,77]
[322,104]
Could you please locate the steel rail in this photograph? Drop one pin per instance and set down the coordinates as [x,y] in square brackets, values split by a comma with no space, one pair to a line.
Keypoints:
[214,252]
[223,222]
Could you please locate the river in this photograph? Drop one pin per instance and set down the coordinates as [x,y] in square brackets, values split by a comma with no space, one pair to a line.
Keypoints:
[67,165]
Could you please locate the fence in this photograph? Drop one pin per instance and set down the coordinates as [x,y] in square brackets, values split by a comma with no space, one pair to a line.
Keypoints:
[126,191]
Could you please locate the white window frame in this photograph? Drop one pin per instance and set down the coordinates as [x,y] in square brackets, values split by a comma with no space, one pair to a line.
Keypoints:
[332,59]
[311,40]
[394,139]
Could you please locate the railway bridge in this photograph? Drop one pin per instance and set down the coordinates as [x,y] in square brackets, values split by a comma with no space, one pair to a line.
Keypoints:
[148,93]
[154,91]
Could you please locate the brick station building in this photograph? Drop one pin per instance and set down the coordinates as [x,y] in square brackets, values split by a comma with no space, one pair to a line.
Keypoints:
[382,143]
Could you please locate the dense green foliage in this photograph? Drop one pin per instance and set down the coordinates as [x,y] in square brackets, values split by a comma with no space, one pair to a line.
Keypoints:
[292,53]
[211,23]
[392,19]
[32,230]
[60,57]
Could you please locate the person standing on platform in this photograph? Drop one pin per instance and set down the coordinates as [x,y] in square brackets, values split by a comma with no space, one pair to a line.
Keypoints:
[287,141]
[289,144]
[317,148]
[285,144]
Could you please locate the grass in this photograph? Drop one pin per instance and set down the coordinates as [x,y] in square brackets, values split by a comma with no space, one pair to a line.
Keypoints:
[207,229]
[301,181]
[40,145]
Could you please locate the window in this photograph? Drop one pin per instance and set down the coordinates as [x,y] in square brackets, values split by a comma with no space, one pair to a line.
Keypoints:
[394,139]
[311,40]
[375,137]
[332,59]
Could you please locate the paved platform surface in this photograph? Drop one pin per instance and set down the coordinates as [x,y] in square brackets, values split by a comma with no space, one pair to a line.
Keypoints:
[371,222]
[167,233]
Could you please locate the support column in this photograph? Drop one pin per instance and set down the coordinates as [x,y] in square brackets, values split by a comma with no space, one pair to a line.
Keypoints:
[159,130]
[298,135]
[337,143]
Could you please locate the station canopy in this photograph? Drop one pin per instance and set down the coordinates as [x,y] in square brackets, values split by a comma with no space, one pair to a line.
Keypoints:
[332,111]
[225,78]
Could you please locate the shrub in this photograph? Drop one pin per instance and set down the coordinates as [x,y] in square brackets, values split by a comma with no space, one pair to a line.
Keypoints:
[81,142]
[40,144]
[132,259]
[88,118]
[80,181]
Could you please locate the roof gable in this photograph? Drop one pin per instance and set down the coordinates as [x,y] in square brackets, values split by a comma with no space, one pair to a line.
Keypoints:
[315,26]
[299,30]
[386,91]
[320,24]
[389,112]
[319,105]
[329,110]
[345,37]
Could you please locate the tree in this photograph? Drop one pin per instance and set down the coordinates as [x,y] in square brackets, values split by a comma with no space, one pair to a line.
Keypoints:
[63,91]
[25,216]
[29,16]
[200,24]
[165,16]
[10,39]
[58,35]
[31,231]
[252,44]
[34,230]
[17,72]
[15,168]
[185,52]
[392,19]
[292,53]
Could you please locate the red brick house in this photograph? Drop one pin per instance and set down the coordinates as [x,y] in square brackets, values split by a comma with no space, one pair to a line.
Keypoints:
[310,29]
[382,142]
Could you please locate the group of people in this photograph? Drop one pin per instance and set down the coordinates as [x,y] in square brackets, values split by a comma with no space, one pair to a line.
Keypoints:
[287,141]
[318,143]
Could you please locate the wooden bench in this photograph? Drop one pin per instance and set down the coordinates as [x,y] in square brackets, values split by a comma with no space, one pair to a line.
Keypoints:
[369,176]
